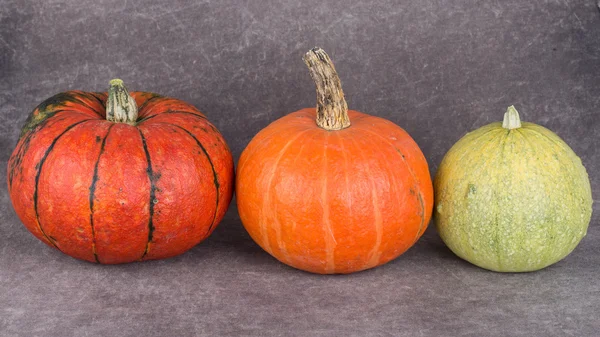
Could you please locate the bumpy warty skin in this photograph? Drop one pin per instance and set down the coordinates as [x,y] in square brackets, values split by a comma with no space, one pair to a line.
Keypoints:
[512,200]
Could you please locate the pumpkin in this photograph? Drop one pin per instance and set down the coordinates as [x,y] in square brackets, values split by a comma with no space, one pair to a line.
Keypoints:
[512,197]
[344,194]
[103,181]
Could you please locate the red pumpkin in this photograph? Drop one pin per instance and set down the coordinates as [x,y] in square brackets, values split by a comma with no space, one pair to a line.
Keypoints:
[347,193]
[123,187]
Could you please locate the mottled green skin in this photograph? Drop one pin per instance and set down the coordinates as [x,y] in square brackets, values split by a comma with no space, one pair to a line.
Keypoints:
[512,200]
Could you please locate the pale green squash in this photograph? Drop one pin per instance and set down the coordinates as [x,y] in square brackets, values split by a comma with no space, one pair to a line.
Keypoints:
[512,197]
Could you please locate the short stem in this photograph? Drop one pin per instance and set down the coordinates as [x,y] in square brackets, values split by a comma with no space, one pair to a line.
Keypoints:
[120,106]
[332,109]
[511,118]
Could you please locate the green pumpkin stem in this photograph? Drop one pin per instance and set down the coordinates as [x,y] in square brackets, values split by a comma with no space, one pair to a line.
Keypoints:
[332,109]
[120,106]
[511,118]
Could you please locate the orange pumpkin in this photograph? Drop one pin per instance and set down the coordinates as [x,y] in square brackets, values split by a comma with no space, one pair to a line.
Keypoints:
[95,180]
[347,193]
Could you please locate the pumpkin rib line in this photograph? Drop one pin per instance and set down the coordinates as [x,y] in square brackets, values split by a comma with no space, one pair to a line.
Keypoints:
[266,140]
[17,162]
[564,147]
[88,106]
[473,142]
[20,153]
[330,244]
[564,166]
[279,236]
[480,167]
[346,179]
[150,173]
[172,112]
[266,198]
[373,260]
[185,112]
[498,205]
[77,96]
[420,200]
[102,104]
[212,166]
[49,116]
[93,190]
[37,179]
[477,138]
[68,110]
[412,174]
[143,106]
[557,144]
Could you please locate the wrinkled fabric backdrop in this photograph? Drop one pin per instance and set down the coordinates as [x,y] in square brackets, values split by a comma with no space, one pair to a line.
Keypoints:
[437,68]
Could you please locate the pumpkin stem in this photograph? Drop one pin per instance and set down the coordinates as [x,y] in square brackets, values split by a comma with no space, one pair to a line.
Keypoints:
[511,118]
[332,109]
[120,106]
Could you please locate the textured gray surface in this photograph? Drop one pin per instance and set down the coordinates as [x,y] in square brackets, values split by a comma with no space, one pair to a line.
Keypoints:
[437,68]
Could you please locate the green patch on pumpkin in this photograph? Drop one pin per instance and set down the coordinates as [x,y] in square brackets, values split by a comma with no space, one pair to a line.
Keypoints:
[47,109]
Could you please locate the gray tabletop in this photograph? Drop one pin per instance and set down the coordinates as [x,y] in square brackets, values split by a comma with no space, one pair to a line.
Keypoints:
[436,68]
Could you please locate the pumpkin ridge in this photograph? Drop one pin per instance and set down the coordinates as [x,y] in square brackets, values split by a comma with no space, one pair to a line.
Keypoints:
[245,153]
[96,95]
[523,135]
[37,178]
[16,162]
[418,196]
[171,112]
[278,236]
[152,194]
[501,140]
[86,94]
[35,122]
[569,169]
[521,132]
[22,150]
[143,106]
[346,179]
[473,142]
[330,242]
[278,233]
[212,166]
[565,147]
[185,112]
[570,153]
[554,143]
[93,189]
[102,103]
[373,259]
[267,199]
[473,172]
[412,174]
[55,101]
[68,96]
[497,234]
[477,138]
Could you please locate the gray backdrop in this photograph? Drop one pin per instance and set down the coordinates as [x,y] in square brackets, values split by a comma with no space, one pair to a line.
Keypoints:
[437,68]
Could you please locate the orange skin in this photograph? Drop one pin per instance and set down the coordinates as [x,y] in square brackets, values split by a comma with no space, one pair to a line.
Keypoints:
[334,201]
[114,193]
